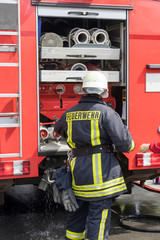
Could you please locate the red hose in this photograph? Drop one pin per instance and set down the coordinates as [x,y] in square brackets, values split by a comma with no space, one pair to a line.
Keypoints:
[147,187]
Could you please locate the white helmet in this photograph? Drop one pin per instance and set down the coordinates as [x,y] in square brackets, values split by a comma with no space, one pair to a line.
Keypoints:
[95,82]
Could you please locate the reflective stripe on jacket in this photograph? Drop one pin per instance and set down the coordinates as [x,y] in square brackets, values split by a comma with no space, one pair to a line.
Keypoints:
[91,123]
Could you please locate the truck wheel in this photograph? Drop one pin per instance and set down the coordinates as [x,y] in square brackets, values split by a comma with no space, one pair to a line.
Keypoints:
[1,198]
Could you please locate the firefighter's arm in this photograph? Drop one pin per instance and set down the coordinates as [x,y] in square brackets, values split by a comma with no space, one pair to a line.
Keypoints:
[132,146]
[59,126]
[119,133]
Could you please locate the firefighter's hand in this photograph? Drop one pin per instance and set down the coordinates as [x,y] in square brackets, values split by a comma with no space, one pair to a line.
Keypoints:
[69,200]
[144,147]
[56,194]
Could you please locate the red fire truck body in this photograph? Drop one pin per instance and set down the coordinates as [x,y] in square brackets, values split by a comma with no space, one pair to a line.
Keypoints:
[46,47]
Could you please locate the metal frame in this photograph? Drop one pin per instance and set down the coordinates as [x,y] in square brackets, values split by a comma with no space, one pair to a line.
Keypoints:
[101,13]
[122,51]
[37,52]
[20,91]
[125,17]
[121,7]
[153,66]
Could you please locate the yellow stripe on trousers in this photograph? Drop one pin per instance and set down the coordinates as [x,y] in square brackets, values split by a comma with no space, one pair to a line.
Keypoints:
[72,164]
[102,224]
[74,235]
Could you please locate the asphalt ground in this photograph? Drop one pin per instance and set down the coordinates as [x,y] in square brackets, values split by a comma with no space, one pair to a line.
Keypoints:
[29,214]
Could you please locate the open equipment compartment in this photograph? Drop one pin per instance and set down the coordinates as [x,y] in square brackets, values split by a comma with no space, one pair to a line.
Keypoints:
[71,43]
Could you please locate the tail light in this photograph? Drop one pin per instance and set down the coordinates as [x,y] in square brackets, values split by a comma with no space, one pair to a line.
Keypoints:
[6,168]
[44,132]
[147,159]
[14,168]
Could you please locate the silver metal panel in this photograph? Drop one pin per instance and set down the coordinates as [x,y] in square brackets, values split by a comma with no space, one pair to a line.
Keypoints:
[8,114]
[80,53]
[60,146]
[8,120]
[9,95]
[73,76]
[8,49]
[8,33]
[8,16]
[9,64]
[9,1]
[9,125]
[152,82]
[6,155]
[49,11]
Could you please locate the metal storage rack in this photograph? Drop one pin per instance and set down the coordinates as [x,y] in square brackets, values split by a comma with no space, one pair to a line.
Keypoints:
[82,53]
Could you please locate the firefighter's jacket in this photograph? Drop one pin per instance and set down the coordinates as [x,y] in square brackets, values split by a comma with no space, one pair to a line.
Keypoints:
[89,123]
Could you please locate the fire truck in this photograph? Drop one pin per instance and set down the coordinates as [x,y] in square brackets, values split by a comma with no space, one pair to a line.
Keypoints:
[46,48]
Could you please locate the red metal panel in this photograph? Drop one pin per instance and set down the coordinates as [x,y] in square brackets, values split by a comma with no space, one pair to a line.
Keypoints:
[11,57]
[9,76]
[9,79]
[8,137]
[8,105]
[144,114]
[8,57]
[29,86]
[8,39]
[48,96]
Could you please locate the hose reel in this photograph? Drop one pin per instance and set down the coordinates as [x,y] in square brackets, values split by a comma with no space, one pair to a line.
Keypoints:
[79,67]
[79,36]
[51,40]
[99,36]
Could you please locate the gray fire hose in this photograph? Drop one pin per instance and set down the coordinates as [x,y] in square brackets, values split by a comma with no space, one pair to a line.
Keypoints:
[79,36]
[139,218]
[99,36]
[51,40]
[79,67]
[65,41]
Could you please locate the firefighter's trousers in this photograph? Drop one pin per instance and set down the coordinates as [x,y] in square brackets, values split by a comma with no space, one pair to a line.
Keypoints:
[91,220]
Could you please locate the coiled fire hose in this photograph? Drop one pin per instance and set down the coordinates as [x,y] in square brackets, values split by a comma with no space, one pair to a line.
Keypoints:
[139,217]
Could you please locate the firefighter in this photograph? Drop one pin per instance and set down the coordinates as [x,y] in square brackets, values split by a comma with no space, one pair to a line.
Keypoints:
[91,129]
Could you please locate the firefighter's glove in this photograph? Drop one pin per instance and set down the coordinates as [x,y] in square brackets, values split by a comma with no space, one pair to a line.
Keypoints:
[69,200]
[56,194]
